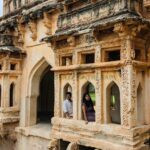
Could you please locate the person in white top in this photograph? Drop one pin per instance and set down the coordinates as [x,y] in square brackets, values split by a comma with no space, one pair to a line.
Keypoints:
[68,106]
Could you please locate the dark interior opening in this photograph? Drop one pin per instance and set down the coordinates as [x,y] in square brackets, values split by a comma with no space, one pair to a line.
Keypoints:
[88,58]
[86,148]
[45,105]
[11,95]
[113,55]
[66,60]
[64,144]
[137,54]
[12,66]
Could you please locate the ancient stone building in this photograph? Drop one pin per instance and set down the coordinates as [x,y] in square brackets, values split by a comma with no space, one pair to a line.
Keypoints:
[49,47]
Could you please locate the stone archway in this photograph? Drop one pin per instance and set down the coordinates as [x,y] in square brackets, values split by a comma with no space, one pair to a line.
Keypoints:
[113,103]
[39,75]
[45,101]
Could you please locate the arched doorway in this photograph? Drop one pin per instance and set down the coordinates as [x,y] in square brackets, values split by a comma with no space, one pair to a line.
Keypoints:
[89,88]
[67,88]
[41,77]
[113,104]
[45,102]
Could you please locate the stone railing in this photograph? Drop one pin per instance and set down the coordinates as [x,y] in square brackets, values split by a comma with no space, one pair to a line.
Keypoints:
[13,5]
[93,12]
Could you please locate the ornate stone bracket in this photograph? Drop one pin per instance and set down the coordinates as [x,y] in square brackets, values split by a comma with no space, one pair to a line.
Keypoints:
[33,28]
[71,41]
[72,146]
[20,33]
[53,145]
[122,29]
[48,23]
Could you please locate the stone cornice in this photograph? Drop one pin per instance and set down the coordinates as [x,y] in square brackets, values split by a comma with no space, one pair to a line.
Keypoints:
[26,6]
[25,14]
[109,21]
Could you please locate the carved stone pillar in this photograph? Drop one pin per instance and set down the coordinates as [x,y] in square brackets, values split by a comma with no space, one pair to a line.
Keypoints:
[128,112]
[98,92]
[72,146]
[128,96]
[5,84]
[5,91]
[58,106]
[75,95]
[128,74]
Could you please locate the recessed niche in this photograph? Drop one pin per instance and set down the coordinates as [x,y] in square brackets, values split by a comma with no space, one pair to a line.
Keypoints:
[12,66]
[137,54]
[88,58]
[66,61]
[112,55]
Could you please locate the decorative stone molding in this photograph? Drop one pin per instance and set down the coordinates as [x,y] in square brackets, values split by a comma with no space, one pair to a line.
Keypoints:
[53,145]
[72,146]
[33,28]
[48,23]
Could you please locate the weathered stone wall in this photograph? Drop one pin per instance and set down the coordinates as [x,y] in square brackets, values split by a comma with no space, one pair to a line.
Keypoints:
[31,143]
[6,144]
[95,27]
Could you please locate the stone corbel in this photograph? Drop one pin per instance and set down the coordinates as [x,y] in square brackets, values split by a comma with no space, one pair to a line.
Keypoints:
[121,29]
[48,23]
[72,146]
[33,28]
[21,33]
[71,40]
[53,145]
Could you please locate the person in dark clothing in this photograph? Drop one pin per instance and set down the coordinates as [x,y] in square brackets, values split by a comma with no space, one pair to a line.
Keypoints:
[88,108]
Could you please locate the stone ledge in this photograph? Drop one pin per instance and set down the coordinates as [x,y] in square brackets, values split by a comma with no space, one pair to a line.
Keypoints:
[39,130]
[6,120]
[9,109]
[96,129]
